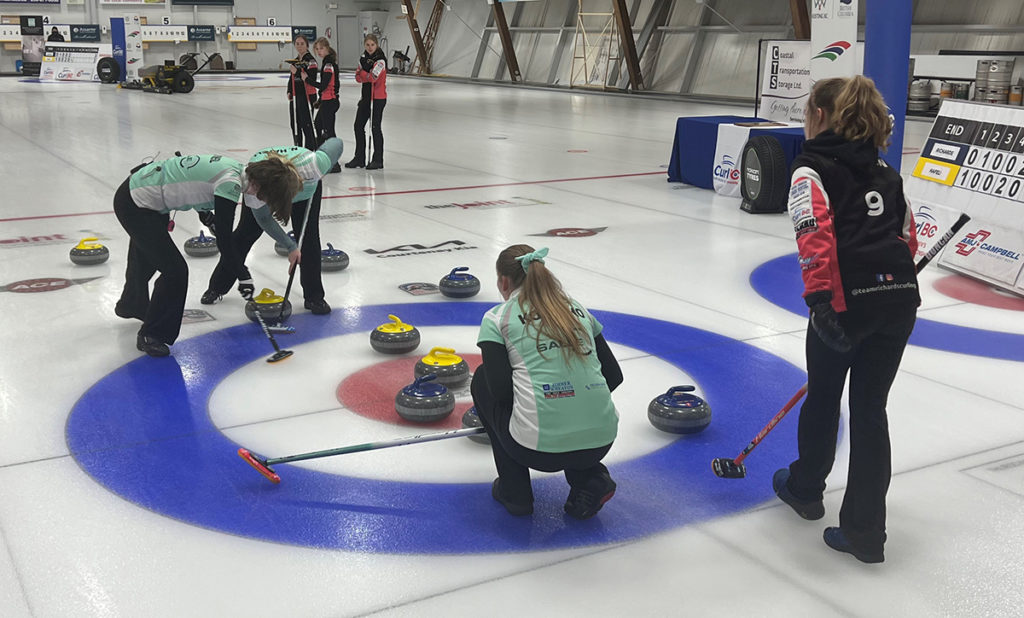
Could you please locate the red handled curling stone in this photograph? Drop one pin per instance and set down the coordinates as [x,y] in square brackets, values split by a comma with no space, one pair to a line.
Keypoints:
[201,246]
[395,337]
[424,401]
[269,305]
[448,366]
[459,283]
[471,419]
[281,249]
[332,259]
[679,411]
[88,252]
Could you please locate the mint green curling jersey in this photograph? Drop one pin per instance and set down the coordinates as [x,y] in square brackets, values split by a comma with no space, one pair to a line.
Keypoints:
[557,406]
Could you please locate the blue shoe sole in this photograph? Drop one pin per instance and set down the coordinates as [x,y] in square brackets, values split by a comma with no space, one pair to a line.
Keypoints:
[835,539]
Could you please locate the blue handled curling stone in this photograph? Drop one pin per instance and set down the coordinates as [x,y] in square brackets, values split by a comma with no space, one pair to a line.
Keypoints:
[332,259]
[679,411]
[471,419]
[201,246]
[89,252]
[424,401]
[448,366]
[281,249]
[395,337]
[459,283]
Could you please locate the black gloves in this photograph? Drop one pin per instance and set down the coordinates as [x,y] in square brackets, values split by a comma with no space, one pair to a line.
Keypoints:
[206,218]
[246,289]
[825,322]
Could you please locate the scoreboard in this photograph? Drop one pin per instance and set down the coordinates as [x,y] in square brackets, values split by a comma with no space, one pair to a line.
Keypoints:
[973,161]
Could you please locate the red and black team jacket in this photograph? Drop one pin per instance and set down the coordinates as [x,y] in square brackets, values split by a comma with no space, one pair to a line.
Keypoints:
[296,85]
[325,81]
[373,75]
[854,227]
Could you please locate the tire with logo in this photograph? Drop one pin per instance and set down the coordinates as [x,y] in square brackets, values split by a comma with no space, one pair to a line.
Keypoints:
[183,82]
[109,70]
[764,175]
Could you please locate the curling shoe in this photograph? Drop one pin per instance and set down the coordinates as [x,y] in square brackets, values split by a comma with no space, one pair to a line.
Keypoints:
[151,346]
[356,162]
[808,510]
[317,307]
[513,508]
[584,502]
[335,170]
[836,539]
[376,164]
[210,297]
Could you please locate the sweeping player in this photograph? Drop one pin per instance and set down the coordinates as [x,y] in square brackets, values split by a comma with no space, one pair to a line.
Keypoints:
[311,166]
[856,238]
[543,392]
[206,183]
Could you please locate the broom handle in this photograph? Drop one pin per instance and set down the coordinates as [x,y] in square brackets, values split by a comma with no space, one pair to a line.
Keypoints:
[373,446]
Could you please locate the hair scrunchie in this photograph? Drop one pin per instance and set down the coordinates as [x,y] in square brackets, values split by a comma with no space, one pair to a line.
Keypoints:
[533,256]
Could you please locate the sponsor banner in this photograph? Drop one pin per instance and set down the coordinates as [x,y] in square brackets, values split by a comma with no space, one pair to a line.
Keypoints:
[932,222]
[984,250]
[729,147]
[489,204]
[45,284]
[786,81]
[447,246]
[84,33]
[308,31]
[833,38]
[133,59]
[572,232]
[202,33]
[32,43]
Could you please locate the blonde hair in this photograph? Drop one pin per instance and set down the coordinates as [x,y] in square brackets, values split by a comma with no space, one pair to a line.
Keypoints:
[277,182]
[856,110]
[323,42]
[544,305]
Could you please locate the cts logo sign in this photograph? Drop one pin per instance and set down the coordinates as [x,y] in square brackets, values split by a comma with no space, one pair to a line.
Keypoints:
[833,51]
[971,242]
[573,232]
[403,250]
[48,284]
[726,170]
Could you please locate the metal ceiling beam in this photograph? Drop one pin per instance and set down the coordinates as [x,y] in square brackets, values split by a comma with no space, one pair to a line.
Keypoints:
[506,42]
[516,16]
[484,46]
[567,31]
[696,47]
[801,19]
[414,30]
[636,80]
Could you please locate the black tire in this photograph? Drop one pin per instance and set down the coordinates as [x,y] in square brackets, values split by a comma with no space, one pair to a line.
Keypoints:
[188,62]
[108,70]
[183,82]
[764,176]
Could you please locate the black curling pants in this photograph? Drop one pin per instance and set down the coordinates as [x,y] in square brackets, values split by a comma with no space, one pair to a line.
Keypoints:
[303,133]
[151,250]
[514,461]
[365,111]
[324,121]
[879,338]
[249,231]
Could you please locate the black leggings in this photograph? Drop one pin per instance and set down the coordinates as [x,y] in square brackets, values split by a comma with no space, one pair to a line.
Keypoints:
[151,250]
[364,113]
[879,338]
[324,121]
[514,460]
[303,133]
[249,231]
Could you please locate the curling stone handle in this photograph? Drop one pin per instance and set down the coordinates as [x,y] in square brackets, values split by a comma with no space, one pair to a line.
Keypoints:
[458,269]
[330,247]
[441,352]
[82,244]
[675,390]
[398,321]
[424,378]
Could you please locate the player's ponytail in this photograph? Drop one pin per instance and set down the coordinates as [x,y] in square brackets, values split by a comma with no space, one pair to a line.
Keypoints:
[856,110]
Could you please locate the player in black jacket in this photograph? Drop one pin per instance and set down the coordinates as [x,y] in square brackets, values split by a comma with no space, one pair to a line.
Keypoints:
[301,95]
[856,239]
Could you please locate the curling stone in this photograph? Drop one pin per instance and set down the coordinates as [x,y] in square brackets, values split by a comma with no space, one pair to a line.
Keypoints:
[332,259]
[424,401]
[679,411]
[394,337]
[269,305]
[201,246]
[449,368]
[459,283]
[281,249]
[89,252]
[471,419]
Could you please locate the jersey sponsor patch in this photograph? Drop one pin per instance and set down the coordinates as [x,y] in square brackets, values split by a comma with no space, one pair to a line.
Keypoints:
[558,390]
[378,68]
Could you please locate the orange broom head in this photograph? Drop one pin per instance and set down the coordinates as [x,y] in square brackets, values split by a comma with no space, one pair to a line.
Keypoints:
[261,467]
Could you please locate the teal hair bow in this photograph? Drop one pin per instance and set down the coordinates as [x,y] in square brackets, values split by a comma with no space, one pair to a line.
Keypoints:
[533,256]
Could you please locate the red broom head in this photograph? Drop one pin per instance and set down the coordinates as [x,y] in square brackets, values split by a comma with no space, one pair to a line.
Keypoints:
[260,466]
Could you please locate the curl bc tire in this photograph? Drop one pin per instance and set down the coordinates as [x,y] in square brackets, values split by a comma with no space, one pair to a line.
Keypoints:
[764,177]
[108,70]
